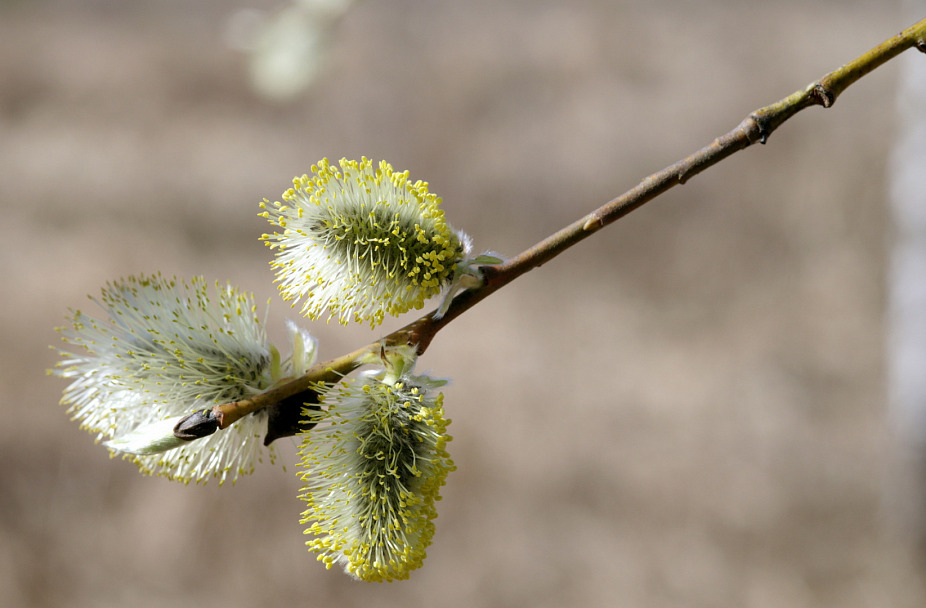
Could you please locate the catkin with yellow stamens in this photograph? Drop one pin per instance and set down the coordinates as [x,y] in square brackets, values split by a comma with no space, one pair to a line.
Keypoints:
[361,242]
[373,470]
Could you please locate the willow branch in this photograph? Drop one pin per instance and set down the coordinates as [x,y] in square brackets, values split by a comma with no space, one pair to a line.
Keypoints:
[755,128]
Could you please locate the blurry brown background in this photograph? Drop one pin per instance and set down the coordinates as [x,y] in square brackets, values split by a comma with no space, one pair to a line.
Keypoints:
[686,410]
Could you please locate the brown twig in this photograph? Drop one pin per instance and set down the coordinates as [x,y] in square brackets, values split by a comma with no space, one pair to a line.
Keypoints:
[756,127]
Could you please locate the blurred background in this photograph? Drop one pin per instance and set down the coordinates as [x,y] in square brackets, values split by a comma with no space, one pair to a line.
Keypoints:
[689,409]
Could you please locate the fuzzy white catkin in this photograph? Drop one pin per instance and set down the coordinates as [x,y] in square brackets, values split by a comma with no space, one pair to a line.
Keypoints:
[166,348]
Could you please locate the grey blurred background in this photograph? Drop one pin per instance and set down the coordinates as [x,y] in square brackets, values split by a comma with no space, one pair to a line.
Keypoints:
[688,409]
